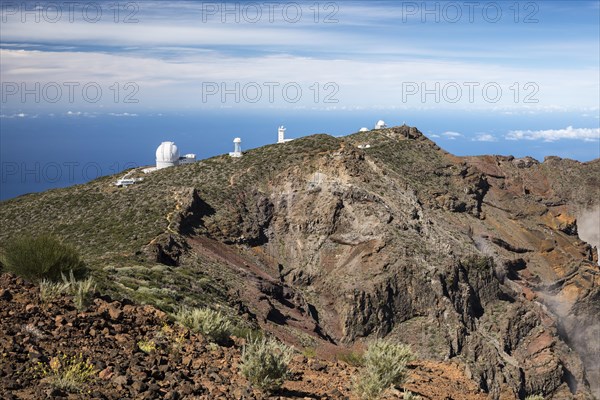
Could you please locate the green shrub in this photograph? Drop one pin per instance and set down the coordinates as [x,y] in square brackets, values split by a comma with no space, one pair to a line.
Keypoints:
[212,324]
[535,397]
[147,346]
[353,358]
[265,362]
[245,332]
[42,257]
[80,290]
[309,352]
[52,290]
[385,365]
[70,373]
[411,396]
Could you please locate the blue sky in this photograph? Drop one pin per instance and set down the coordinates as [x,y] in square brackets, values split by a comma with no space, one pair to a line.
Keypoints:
[518,77]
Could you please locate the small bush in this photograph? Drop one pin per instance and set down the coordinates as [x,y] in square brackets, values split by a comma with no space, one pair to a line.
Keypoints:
[52,290]
[535,397]
[147,346]
[68,373]
[212,324]
[80,290]
[42,257]
[265,363]
[411,396]
[385,365]
[247,333]
[352,358]
[174,339]
[309,352]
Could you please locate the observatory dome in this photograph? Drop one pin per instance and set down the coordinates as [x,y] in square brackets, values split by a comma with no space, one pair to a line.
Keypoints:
[167,155]
[237,140]
[380,125]
[364,129]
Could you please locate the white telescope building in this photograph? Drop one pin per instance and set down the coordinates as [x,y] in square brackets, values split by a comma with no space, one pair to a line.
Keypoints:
[281,135]
[380,125]
[237,150]
[167,155]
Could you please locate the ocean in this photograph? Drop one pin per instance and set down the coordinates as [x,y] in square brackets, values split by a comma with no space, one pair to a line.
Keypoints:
[51,150]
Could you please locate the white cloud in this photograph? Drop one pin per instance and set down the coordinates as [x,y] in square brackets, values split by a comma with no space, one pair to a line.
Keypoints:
[84,114]
[451,135]
[183,33]
[171,51]
[359,81]
[18,115]
[484,137]
[122,114]
[552,135]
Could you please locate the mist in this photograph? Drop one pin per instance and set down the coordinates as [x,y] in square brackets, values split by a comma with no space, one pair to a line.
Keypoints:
[588,226]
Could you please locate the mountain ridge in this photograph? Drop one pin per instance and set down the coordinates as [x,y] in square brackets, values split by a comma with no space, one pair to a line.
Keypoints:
[327,241]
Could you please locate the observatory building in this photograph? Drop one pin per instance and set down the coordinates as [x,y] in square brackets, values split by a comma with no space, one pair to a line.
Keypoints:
[364,130]
[187,159]
[380,125]
[167,155]
[237,148]
[281,135]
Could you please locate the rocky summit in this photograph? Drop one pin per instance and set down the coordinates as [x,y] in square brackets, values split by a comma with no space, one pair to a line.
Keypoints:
[483,265]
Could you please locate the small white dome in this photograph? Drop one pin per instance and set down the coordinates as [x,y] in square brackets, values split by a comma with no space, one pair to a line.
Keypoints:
[237,140]
[167,155]
[364,130]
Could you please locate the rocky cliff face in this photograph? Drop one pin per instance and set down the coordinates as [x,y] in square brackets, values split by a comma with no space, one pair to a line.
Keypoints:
[475,260]
[483,251]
